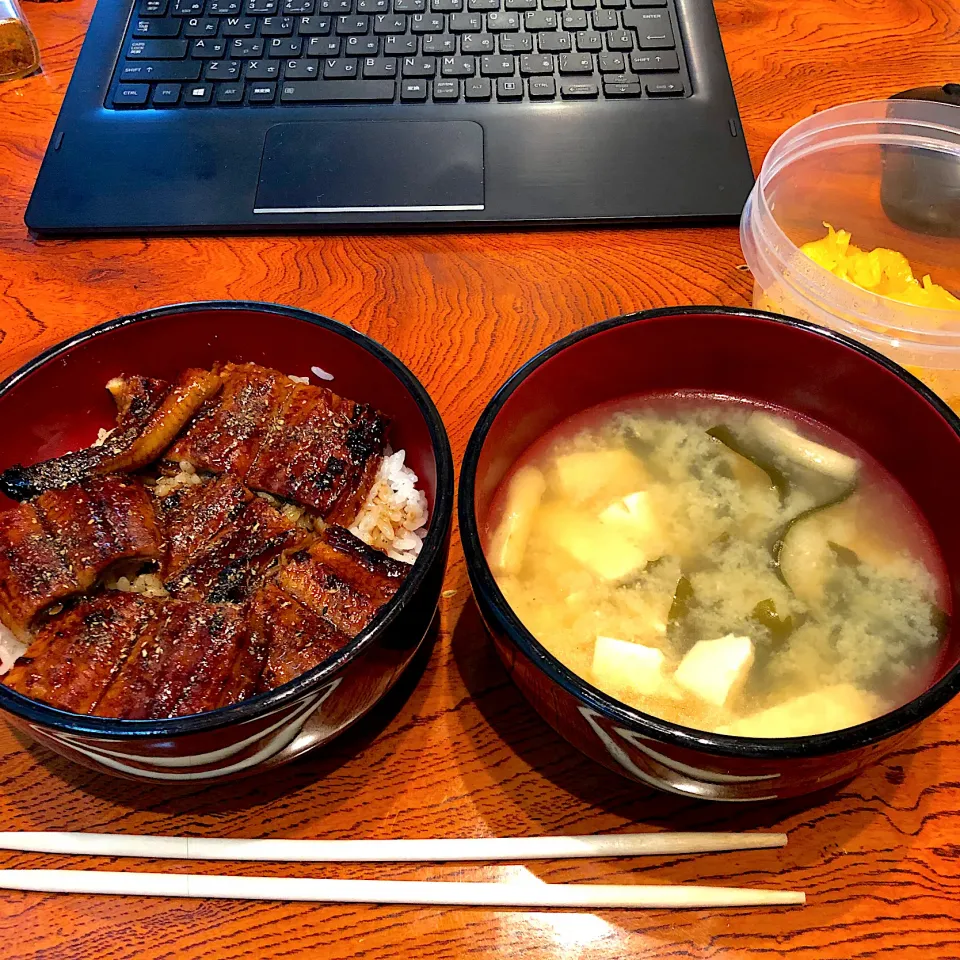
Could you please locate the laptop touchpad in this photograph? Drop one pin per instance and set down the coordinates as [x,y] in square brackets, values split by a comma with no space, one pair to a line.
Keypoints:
[349,166]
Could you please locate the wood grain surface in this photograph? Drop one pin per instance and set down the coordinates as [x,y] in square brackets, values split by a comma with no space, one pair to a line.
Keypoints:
[456,751]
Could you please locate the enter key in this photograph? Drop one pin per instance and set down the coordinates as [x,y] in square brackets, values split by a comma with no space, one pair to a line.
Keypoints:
[654,31]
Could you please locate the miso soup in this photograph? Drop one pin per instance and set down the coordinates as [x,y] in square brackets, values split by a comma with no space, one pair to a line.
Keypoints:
[722,565]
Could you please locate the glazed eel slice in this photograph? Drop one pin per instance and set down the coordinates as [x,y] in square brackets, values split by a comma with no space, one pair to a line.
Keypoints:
[63,542]
[150,415]
[77,653]
[341,579]
[293,440]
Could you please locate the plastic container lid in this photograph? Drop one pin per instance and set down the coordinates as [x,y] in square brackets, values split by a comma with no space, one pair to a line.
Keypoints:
[887,171]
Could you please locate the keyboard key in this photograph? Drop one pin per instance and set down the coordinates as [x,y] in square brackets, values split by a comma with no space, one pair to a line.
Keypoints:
[509,89]
[438,44]
[620,78]
[336,6]
[187,8]
[516,42]
[520,5]
[319,91]
[554,42]
[239,27]
[613,4]
[243,47]
[446,89]
[589,40]
[653,62]
[276,27]
[261,92]
[198,93]
[619,40]
[154,27]
[229,93]
[413,90]
[208,49]
[618,90]
[390,23]
[648,3]
[152,8]
[654,31]
[339,68]
[477,88]
[260,8]
[542,88]
[554,4]
[576,63]
[352,26]
[477,43]
[157,50]
[314,26]
[494,66]
[222,70]
[483,4]
[446,6]
[284,49]
[665,88]
[611,63]
[261,70]
[301,8]
[131,95]
[605,20]
[379,68]
[583,4]
[419,66]
[161,71]
[498,21]
[574,20]
[466,22]
[399,46]
[301,70]
[201,27]
[540,20]
[166,95]
[458,66]
[536,64]
[579,90]
[362,46]
[323,47]
[409,6]
[224,8]
[427,23]
[373,6]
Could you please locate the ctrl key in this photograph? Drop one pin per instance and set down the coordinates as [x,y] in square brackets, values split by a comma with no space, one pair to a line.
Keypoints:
[131,94]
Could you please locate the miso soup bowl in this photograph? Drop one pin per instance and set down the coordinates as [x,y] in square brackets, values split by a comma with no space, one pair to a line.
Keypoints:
[57,402]
[743,353]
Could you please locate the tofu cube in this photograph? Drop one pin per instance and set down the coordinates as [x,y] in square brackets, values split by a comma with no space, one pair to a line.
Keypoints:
[714,671]
[585,475]
[633,516]
[632,667]
[509,542]
[602,550]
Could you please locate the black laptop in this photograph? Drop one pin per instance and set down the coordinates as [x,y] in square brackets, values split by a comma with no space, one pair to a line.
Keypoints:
[191,115]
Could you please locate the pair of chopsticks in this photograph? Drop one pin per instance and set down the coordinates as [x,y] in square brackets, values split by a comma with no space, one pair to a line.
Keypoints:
[511,894]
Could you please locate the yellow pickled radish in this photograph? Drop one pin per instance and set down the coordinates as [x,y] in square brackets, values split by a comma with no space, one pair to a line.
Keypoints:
[881,271]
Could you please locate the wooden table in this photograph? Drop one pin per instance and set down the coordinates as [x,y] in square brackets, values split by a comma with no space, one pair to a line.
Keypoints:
[457,752]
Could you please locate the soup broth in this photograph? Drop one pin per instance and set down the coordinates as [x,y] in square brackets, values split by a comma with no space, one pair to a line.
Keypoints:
[721,565]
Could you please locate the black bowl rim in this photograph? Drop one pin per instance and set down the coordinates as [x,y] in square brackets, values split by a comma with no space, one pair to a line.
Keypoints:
[485,586]
[433,545]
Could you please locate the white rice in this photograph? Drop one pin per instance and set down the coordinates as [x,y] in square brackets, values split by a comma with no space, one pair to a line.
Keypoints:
[394,515]
[321,374]
[187,477]
[290,376]
[148,584]
[10,649]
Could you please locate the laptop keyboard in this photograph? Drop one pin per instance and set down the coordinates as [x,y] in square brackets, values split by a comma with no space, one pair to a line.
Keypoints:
[223,53]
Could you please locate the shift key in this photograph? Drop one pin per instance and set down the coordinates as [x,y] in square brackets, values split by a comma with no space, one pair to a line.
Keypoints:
[157,50]
[337,91]
[162,72]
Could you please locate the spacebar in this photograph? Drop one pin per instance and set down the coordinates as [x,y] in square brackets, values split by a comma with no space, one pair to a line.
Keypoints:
[331,91]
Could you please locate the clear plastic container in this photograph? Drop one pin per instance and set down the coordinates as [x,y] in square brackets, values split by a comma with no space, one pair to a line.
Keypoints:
[888,172]
[19,54]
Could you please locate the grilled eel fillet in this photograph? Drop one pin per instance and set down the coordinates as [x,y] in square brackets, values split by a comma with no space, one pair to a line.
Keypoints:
[297,441]
[150,415]
[63,542]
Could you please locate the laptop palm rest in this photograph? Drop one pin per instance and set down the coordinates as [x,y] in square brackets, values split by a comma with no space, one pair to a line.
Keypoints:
[353,166]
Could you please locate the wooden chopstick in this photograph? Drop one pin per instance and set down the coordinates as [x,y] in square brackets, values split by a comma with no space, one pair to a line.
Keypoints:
[512,894]
[371,851]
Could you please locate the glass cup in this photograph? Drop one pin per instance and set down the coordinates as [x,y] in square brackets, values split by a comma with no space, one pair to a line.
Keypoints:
[19,54]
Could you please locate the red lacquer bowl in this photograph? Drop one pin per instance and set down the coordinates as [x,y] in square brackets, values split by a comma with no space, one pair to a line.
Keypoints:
[57,402]
[745,353]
